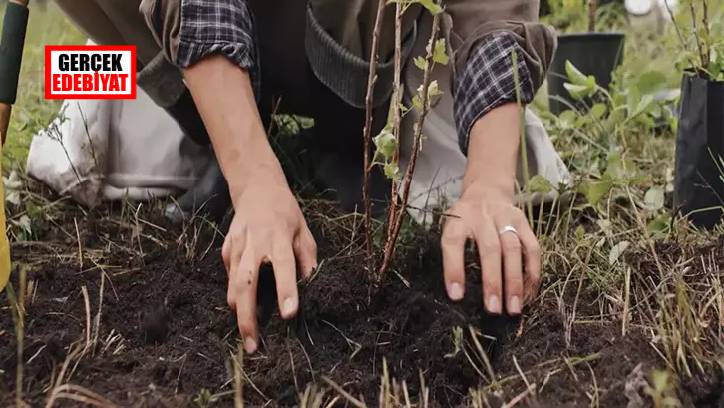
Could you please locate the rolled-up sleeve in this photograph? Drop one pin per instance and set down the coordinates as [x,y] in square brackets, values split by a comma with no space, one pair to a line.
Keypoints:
[486,36]
[496,73]
[216,27]
[190,30]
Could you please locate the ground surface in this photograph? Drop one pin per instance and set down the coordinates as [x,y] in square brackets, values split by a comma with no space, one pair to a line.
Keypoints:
[121,308]
[142,321]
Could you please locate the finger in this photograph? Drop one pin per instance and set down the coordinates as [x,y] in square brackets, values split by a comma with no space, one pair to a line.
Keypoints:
[452,244]
[226,253]
[488,243]
[512,269]
[236,252]
[532,257]
[244,284]
[285,273]
[305,250]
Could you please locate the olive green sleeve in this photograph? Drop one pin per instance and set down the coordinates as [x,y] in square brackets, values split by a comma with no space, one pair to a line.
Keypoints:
[474,20]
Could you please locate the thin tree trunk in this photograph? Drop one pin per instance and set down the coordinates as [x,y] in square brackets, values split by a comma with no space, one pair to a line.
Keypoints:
[371,80]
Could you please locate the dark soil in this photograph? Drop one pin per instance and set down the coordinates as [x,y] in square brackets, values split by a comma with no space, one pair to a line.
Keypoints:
[177,336]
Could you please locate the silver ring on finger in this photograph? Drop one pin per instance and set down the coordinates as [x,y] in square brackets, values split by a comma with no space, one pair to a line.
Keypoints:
[508,228]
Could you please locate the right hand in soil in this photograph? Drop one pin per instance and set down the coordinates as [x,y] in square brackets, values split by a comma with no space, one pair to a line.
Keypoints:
[268,227]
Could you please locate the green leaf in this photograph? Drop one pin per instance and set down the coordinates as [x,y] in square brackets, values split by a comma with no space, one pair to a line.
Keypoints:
[417,102]
[421,63]
[567,119]
[539,184]
[433,90]
[651,81]
[578,92]
[659,225]
[598,110]
[386,144]
[392,171]
[431,6]
[643,105]
[439,54]
[577,77]
[654,198]
[596,190]
[619,169]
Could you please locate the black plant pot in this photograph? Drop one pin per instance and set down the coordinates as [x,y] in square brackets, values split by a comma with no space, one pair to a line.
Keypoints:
[597,54]
[699,176]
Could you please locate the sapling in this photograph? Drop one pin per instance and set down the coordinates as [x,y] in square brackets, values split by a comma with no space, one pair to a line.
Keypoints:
[367,134]
[388,141]
[708,60]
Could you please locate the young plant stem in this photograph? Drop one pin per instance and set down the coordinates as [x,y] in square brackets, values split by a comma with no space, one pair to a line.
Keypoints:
[396,114]
[707,32]
[367,136]
[592,7]
[699,45]
[523,139]
[679,34]
[399,216]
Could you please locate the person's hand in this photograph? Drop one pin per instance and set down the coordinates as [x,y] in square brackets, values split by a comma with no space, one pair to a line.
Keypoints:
[510,257]
[268,227]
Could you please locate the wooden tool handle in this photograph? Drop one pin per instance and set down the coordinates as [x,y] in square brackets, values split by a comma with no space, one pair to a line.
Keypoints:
[5,111]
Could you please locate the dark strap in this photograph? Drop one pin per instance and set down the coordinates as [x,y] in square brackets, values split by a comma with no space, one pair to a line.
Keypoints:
[11,50]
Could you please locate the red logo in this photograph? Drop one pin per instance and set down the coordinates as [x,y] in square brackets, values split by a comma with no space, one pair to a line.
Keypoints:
[90,72]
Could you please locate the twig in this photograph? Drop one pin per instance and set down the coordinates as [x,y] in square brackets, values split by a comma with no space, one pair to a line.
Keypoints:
[80,245]
[237,361]
[391,241]
[699,45]
[88,136]
[592,7]
[352,400]
[396,115]
[86,302]
[367,136]
[679,34]
[707,32]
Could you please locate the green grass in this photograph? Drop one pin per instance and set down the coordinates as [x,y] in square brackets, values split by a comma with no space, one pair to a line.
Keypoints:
[32,112]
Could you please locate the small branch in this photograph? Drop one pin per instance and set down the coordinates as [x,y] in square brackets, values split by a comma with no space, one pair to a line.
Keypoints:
[707,33]
[679,34]
[592,7]
[396,117]
[699,45]
[367,136]
[391,241]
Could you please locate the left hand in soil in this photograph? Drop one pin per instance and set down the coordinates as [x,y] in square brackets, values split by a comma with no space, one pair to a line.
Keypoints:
[510,260]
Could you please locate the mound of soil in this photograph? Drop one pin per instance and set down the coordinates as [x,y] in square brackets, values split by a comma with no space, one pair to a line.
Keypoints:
[165,337]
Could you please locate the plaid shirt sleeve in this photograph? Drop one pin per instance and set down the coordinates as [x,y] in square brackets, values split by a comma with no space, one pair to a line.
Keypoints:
[487,82]
[222,27]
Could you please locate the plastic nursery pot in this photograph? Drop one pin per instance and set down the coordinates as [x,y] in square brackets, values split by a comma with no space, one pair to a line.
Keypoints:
[699,176]
[597,54]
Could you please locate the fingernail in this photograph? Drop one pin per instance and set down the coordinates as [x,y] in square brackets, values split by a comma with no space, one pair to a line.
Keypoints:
[289,307]
[494,304]
[249,345]
[514,306]
[455,291]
